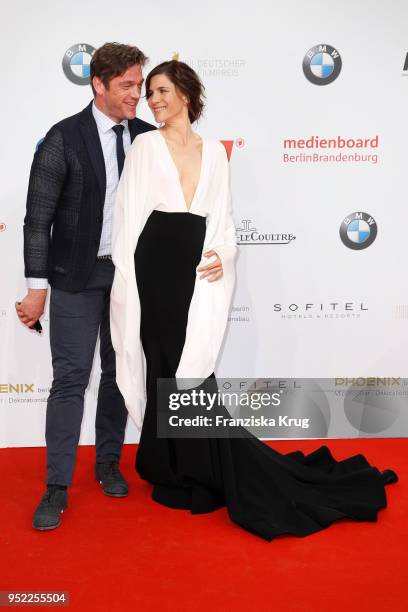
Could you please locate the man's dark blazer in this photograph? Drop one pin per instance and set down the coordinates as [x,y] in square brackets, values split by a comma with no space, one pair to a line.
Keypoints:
[66,195]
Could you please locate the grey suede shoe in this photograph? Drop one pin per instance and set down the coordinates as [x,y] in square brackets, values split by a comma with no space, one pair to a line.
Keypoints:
[48,514]
[112,481]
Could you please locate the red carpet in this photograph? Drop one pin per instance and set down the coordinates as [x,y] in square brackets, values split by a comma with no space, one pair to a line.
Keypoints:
[127,554]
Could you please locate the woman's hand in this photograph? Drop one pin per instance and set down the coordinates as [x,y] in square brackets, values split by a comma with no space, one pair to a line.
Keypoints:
[212,271]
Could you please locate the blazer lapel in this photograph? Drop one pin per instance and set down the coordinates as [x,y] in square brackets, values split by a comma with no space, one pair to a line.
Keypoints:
[93,144]
[135,128]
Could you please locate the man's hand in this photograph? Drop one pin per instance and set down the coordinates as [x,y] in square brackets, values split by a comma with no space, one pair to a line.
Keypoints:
[32,307]
[212,270]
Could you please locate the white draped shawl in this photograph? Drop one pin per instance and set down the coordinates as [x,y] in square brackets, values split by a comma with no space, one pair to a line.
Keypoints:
[150,182]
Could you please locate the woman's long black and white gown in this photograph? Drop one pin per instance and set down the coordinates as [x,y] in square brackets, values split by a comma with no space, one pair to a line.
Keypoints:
[160,306]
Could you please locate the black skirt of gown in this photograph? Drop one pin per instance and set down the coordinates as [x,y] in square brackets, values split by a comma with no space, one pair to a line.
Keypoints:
[265,492]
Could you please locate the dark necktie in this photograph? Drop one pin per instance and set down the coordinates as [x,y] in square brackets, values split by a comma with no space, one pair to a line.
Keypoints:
[120,151]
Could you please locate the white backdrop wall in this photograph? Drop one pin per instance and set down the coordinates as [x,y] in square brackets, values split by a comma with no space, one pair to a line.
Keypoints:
[306,305]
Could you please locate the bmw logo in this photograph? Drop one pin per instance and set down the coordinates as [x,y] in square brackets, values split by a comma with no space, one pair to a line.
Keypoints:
[358,231]
[76,63]
[322,64]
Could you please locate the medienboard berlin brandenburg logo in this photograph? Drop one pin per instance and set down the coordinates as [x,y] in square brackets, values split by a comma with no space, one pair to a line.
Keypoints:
[322,64]
[358,230]
[76,63]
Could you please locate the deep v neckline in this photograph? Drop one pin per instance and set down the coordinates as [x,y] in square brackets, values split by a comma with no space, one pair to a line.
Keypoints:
[177,175]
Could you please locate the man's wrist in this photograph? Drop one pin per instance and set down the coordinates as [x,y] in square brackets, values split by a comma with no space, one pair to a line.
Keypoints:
[37,283]
[37,292]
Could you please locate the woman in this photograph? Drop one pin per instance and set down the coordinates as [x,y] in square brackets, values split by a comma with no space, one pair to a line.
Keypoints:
[173,214]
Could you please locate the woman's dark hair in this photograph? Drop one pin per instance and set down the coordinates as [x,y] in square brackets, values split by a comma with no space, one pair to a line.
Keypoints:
[186,80]
[113,59]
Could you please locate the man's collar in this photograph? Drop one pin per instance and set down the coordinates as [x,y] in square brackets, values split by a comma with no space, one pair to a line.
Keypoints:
[104,122]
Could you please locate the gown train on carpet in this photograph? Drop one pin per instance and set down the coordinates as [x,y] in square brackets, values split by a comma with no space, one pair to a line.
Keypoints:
[264,491]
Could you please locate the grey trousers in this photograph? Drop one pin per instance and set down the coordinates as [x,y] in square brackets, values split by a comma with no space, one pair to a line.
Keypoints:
[75,320]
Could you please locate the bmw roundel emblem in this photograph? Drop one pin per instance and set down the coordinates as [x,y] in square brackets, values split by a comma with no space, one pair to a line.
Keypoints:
[358,231]
[322,64]
[76,63]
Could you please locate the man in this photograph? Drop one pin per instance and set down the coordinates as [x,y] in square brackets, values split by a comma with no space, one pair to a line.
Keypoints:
[67,243]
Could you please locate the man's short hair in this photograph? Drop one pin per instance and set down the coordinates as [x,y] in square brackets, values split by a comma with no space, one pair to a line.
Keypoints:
[113,59]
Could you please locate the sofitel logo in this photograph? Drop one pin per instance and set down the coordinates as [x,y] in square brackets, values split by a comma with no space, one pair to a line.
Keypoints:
[247,234]
[328,310]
